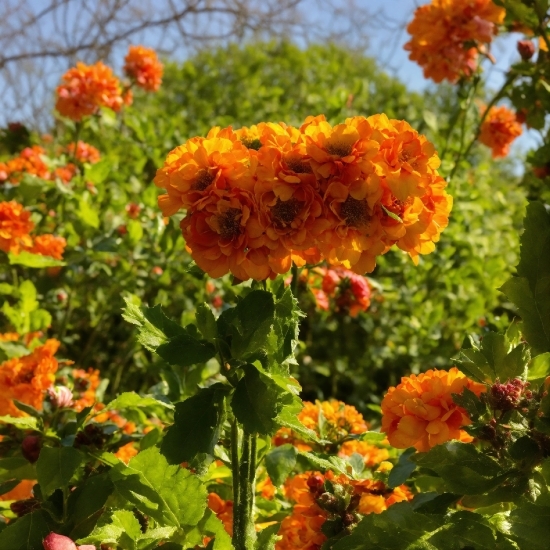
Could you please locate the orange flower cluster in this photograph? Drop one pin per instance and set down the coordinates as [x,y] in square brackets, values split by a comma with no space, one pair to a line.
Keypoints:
[29,161]
[143,66]
[126,452]
[349,292]
[86,88]
[372,455]
[22,491]
[499,129]
[447,36]
[84,152]
[85,384]
[15,228]
[420,411]
[27,378]
[259,198]
[302,528]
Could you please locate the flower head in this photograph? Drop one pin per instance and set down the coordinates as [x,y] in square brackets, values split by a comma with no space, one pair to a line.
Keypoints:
[84,152]
[48,245]
[29,161]
[499,129]
[420,411]
[15,226]
[143,66]
[86,88]
[448,35]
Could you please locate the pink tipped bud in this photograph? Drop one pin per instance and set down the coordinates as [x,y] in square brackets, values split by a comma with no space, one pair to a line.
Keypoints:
[60,396]
[58,542]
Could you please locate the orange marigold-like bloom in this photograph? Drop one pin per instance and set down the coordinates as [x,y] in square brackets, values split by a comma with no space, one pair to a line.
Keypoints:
[223,510]
[84,152]
[86,88]
[447,36]
[420,411]
[9,337]
[266,488]
[126,452]
[372,455]
[499,129]
[143,66]
[15,226]
[85,384]
[29,161]
[301,530]
[27,378]
[48,245]
[22,491]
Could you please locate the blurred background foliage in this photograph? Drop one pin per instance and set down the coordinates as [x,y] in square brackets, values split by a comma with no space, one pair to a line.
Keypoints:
[119,244]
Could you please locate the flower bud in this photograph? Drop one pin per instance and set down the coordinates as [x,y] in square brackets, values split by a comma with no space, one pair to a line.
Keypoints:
[30,447]
[58,542]
[349,519]
[507,396]
[526,49]
[329,502]
[315,483]
[60,396]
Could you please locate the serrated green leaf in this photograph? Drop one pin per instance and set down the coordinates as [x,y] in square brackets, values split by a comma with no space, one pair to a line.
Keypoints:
[206,322]
[327,462]
[131,400]
[27,532]
[56,466]
[197,424]
[171,495]
[22,423]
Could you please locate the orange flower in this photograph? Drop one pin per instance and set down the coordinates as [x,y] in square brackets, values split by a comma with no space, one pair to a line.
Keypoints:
[27,378]
[48,245]
[85,384]
[126,452]
[15,226]
[29,161]
[420,411]
[301,530]
[86,88]
[447,36]
[9,337]
[84,152]
[266,488]
[371,454]
[22,491]
[223,510]
[377,497]
[143,66]
[499,129]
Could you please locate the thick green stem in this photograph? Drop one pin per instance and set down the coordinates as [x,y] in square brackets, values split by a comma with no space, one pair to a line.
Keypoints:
[244,534]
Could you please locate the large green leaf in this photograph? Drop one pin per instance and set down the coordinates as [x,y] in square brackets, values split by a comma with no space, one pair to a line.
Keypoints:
[169,494]
[280,462]
[34,260]
[185,350]
[27,532]
[197,424]
[56,466]
[464,469]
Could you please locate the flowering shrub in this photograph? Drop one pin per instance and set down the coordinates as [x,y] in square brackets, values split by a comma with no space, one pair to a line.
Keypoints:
[228,443]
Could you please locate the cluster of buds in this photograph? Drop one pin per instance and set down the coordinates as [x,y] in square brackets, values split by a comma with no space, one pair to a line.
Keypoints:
[511,395]
[339,501]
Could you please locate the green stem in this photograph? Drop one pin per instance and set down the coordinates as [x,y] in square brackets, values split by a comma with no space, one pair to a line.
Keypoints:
[243,522]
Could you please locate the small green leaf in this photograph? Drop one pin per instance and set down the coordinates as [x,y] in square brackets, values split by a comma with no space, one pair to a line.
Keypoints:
[88,214]
[131,400]
[539,367]
[403,469]
[33,260]
[21,423]
[184,351]
[206,322]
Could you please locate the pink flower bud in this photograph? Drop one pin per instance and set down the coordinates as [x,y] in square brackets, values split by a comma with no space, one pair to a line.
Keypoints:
[30,448]
[58,542]
[60,396]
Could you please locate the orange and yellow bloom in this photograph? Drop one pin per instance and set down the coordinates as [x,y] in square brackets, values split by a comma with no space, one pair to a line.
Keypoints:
[420,411]
[499,129]
[260,198]
[447,36]
[143,66]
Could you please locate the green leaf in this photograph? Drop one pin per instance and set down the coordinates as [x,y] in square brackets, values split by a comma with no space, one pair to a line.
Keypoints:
[135,231]
[184,351]
[56,466]
[197,424]
[325,462]
[206,322]
[131,400]
[403,469]
[267,538]
[431,120]
[257,401]
[121,528]
[529,525]
[33,260]
[99,171]
[27,532]
[171,495]
[539,367]
[280,462]
[464,469]
[21,423]
[88,214]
